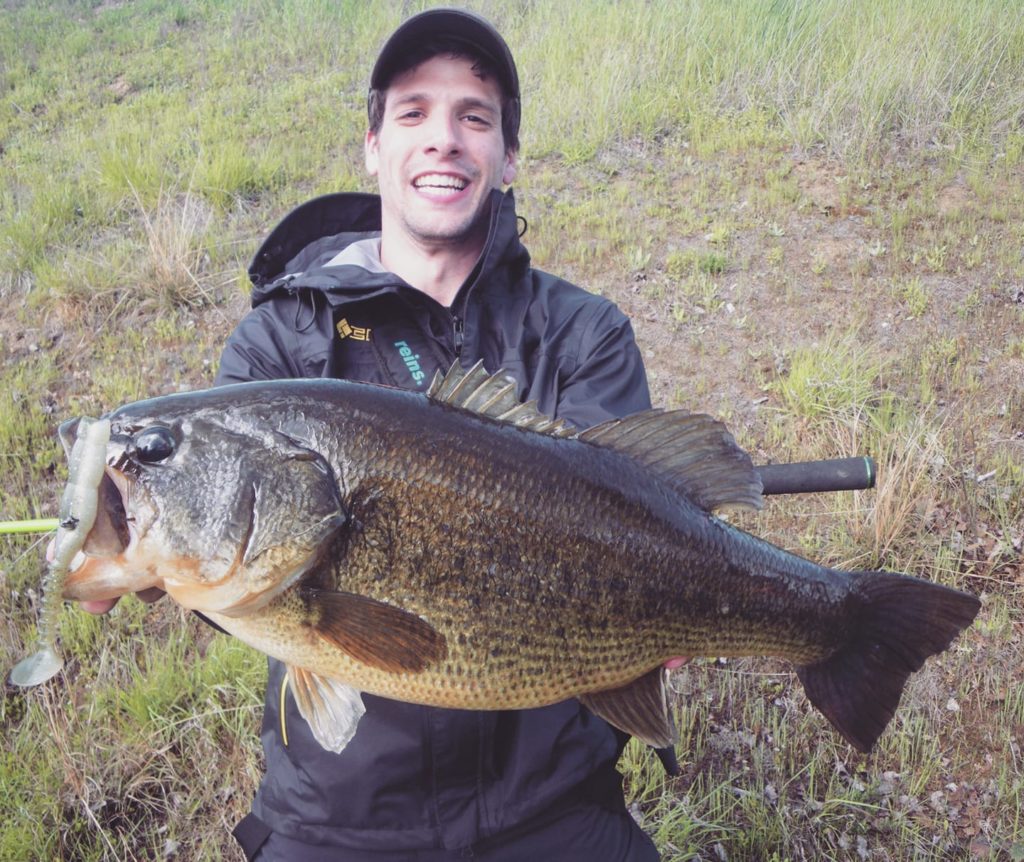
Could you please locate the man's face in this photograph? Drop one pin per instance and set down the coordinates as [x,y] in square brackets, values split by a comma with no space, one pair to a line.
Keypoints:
[439,152]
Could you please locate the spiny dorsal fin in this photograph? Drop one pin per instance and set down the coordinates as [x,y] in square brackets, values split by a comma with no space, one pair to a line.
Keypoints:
[493,395]
[695,453]
[331,708]
[640,708]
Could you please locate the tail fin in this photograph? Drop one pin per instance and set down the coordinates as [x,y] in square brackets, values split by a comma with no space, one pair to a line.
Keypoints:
[902,621]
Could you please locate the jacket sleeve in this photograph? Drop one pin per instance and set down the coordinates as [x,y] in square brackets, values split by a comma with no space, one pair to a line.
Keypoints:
[609,380]
[261,347]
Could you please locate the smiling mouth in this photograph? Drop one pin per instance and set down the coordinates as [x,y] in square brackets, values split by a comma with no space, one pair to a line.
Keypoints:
[440,184]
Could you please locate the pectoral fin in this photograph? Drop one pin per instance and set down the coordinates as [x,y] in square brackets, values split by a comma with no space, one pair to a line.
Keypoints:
[640,708]
[375,633]
[331,708]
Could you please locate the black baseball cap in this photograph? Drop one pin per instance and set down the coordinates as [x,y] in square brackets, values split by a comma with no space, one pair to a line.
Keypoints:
[460,25]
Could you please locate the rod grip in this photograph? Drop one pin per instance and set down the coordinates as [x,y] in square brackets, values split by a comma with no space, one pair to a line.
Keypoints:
[806,477]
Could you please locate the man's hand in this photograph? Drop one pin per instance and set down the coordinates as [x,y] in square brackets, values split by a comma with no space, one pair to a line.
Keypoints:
[672,663]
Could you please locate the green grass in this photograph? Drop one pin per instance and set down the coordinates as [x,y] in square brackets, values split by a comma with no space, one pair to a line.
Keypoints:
[836,379]
[162,98]
[811,212]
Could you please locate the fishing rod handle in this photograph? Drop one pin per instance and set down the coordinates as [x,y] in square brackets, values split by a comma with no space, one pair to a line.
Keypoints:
[805,477]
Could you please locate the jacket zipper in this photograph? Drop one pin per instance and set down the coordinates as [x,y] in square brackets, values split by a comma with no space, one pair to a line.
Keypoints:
[458,326]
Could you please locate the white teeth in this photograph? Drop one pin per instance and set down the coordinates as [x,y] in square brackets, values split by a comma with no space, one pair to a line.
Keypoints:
[443,181]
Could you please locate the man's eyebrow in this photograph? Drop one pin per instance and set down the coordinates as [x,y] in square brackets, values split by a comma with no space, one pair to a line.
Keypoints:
[479,104]
[409,98]
[471,102]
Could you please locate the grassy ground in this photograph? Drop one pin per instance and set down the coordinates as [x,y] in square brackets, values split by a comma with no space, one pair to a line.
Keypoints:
[813,214]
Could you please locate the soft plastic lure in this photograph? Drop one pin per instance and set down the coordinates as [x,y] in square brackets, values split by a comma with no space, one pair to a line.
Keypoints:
[78,508]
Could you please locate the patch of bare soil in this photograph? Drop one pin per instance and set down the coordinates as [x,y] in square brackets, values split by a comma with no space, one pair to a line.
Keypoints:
[825,264]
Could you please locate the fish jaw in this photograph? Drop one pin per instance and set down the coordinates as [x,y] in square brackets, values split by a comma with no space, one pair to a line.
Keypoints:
[113,561]
[98,578]
[193,584]
[124,551]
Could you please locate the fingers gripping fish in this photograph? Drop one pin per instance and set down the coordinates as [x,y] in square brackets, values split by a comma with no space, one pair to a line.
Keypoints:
[459,549]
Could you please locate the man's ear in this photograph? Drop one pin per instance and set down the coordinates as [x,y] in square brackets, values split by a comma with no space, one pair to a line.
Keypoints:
[370,153]
[509,174]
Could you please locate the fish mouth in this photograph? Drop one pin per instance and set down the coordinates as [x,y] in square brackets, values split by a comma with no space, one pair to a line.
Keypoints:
[113,529]
[111,534]
[103,568]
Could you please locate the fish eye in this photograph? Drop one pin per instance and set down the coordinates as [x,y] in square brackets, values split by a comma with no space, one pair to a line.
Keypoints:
[155,443]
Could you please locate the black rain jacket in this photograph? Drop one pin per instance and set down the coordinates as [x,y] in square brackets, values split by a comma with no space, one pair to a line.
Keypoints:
[419,777]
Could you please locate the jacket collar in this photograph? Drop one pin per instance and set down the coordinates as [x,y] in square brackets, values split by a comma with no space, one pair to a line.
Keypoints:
[294,253]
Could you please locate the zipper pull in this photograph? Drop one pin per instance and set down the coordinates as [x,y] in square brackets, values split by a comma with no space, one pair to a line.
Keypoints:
[459,328]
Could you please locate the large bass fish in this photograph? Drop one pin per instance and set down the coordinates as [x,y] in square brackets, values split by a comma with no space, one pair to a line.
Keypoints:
[460,550]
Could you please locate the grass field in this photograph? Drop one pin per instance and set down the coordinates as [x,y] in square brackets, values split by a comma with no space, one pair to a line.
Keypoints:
[812,212]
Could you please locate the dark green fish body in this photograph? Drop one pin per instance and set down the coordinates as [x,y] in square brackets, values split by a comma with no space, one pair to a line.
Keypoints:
[422,549]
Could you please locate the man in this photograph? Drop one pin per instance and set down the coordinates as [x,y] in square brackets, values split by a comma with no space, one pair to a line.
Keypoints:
[389,290]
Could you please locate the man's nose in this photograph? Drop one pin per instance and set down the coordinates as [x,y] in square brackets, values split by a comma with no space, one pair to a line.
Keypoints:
[443,135]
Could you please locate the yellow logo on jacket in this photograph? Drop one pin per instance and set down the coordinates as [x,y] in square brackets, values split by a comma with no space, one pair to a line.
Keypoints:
[356,333]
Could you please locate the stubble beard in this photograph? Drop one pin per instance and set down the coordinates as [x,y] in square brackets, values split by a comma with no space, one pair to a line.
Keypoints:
[427,232]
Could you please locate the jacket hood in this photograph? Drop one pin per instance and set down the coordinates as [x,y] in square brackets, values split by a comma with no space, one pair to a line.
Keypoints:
[295,253]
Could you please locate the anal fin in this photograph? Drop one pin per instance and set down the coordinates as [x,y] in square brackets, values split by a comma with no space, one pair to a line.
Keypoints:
[331,708]
[375,633]
[640,708]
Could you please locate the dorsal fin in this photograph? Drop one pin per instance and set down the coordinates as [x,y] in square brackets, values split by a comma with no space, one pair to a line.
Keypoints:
[493,395]
[693,452]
